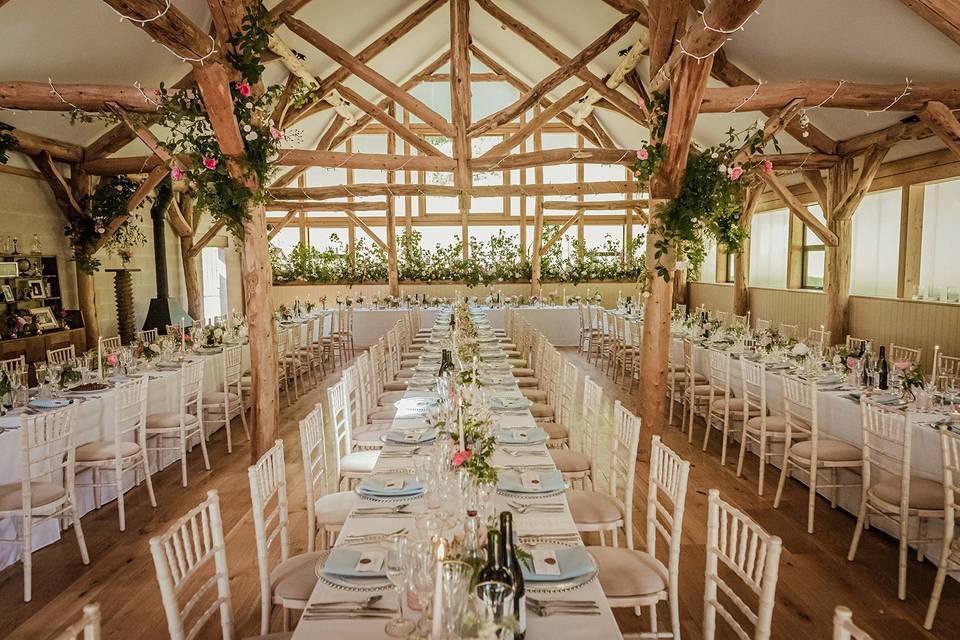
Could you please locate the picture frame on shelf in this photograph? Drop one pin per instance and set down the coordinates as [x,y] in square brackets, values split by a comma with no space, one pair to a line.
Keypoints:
[7,292]
[9,269]
[36,289]
[45,318]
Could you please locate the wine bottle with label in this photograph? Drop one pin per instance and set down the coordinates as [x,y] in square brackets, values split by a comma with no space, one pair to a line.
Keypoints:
[494,570]
[472,553]
[883,370]
[446,362]
[509,554]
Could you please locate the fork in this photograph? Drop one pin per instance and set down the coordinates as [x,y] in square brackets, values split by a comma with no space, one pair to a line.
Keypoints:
[536,508]
[544,610]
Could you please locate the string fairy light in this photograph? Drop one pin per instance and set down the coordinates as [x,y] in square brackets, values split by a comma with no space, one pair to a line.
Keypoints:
[726,31]
[146,98]
[903,94]
[54,91]
[200,60]
[144,21]
[756,90]
[829,97]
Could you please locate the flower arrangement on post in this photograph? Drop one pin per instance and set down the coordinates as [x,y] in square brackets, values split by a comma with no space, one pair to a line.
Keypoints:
[7,141]
[107,204]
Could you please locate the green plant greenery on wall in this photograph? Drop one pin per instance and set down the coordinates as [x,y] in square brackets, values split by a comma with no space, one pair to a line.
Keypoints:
[107,204]
[7,141]
[495,261]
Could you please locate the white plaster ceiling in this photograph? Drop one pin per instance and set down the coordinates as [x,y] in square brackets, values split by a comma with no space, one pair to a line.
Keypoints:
[84,41]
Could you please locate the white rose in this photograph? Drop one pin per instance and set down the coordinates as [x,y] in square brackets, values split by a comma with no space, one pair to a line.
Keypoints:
[800,349]
[155,348]
[218,333]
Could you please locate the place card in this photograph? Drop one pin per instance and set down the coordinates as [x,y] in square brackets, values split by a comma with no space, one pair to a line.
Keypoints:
[545,562]
[530,480]
[393,483]
[372,562]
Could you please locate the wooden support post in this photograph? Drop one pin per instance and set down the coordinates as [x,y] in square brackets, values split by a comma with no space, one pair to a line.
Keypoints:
[537,242]
[82,187]
[191,276]
[836,277]
[460,110]
[741,263]
[628,224]
[911,234]
[393,275]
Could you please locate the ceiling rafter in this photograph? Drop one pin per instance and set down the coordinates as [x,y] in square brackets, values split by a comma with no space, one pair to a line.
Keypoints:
[944,15]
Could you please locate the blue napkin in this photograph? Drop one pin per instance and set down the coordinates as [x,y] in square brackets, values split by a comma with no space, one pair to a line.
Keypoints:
[343,562]
[410,436]
[515,435]
[550,481]
[574,562]
[376,486]
[500,402]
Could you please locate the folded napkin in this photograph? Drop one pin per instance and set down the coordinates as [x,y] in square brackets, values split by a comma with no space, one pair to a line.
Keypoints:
[515,482]
[506,402]
[410,436]
[572,563]
[389,485]
[522,435]
[353,563]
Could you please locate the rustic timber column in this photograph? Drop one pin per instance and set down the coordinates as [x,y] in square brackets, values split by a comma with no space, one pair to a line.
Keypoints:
[460,110]
[87,301]
[191,278]
[393,275]
[537,245]
[741,261]
[836,279]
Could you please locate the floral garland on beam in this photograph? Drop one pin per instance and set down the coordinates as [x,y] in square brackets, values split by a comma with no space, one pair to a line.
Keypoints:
[710,199]
[7,141]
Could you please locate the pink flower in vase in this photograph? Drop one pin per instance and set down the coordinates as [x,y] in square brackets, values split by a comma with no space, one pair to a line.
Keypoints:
[902,365]
[112,360]
[642,153]
[736,172]
[767,167]
[275,133]
[244,89]
[852,362]
[186,337]
[210,163]
[176,173]
[461,457]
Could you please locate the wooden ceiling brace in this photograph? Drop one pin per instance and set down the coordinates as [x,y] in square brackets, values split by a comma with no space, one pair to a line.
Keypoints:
[818,186]
[366,229]
[58,184]
[283,223]
[378,189]
[669,23]
[944,15]
[177,220]
[388,121]
[773,125]
[31,145]
[169,26]
[559,233]
[943,123]
[872,160]
[627,64]
[297,68]
[534,124]
[205,239]
[797,208]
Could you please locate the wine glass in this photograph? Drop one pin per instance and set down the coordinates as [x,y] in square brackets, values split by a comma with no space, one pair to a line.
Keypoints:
[54,371]
[422,573]
[398,560]
[455,576]
[496,602]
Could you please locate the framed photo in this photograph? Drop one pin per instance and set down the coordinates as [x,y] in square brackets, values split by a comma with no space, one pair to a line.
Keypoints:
[9,269]
[36,289]
[45,318]
[7,292]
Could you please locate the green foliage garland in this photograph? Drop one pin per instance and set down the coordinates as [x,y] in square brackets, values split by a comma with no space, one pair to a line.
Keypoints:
[108,202]
[7,141]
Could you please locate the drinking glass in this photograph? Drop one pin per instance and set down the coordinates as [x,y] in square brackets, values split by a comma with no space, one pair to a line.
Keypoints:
[398,557]
[455,576]
[496,605]
[54,371]
[423,563]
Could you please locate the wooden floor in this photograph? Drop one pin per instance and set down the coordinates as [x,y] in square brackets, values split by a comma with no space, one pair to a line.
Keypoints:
[814,574]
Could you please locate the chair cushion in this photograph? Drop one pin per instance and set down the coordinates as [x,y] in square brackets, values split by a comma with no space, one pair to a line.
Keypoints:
[775,424]
[391,397]
[568,461]
[369,438]
[409,363]
[334,508]
[404,374]
[701,389]
[168,420]
[359,461]
[517,362]
[523,372]
[513,353]
[295,578]
[534,395]
[827,451]
[720,404]
[384,415]
[540,410]
[11,498]
[593,507]
[681,376]
[554,430]
[924,494]
[626,573]
[105,450]
[217,399]
[395,385]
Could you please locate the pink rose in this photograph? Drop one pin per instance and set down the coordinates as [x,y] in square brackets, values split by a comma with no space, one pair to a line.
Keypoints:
[176,173]
[640,102]
[461,457]
[186,337]
[244,89]
[210,163]
[852,362]
[767,167]
[735,173]
[636,174]
[643,154]
[275,133]
[902,366]
[112,360]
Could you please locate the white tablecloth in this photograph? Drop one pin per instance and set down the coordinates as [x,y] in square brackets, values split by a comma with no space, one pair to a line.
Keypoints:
[560,325]
[371,324]
[559,627]
[95,421]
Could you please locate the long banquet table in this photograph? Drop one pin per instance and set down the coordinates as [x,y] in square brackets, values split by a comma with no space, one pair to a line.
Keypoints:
[95,421]
[557,626]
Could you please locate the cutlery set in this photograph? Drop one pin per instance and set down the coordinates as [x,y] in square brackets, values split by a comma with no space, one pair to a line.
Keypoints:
[544,608]
[348,609]
[521,508]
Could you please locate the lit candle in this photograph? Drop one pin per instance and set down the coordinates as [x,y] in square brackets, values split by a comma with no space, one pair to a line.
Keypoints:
[100,357]
[436,630]
[463,444]
[933,375]
[183,335]
[564,301]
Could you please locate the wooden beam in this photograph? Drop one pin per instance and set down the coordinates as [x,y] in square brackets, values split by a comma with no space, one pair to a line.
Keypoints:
[205,239]
[605,140]
[376,47]
[323,145]
[298,69]
[669,19]
[170,27]
[452,219]
[390,228]
[851,95]
[227,18]
[872,160]
[32,145]
[283,223]
[773,125]
[628,64]
[214,82]
[741,263]
[366,229]
[305,205]
[552,81]
[943,123]
[389,122]
[811,160]
[620,101]
[535,123]
[368,75]
[814,180]
[523,87]
[146,187]
[460,109]
[58,184]
[944,15]
[569,155]
[474,77]
[836,270]
[417,189]
[910,128]
[287,6]
[559,233]
[911,238]
[380,161]
[46,96]
[828,237]
[178,222]
[722,16]
[592,205]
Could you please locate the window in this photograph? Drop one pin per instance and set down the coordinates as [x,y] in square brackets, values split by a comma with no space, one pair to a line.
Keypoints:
[286,239]
[768,244]
[814,254]
[874,261]
[939,259]
[214,265]
[708,270]
[731,258]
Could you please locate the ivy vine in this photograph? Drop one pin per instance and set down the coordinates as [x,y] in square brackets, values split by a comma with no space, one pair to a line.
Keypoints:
[108,202]
[7,141]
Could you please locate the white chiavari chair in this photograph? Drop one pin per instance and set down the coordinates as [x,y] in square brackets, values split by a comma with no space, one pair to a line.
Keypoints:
[696,391]
[371,421]
[819,338]
[632,578]
[890,489]
[949,559]
[946,371]
[127,451]
[844,628]
[61,355]
[308,351]
[327,510]
[789,331]
[677,381]
[110,345]
[284,362]
[812,453]
[147,335]
[899,353]
[761,325]
[183,424]
[299,363]
[623,359]
[549,367]
[599,330]
[761,428]
[724,408]
[534,387]
[174,330]
[570,458]
[221,407]
[15,367]
[747,552]
[46,489]
[739,321]
[722,317]
[601,511]
[351,465]
[856,345]
[289,580]
[679,311]
[583,318]
[615,343]
[190,559]
[86,628]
